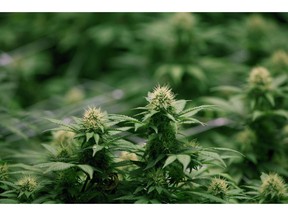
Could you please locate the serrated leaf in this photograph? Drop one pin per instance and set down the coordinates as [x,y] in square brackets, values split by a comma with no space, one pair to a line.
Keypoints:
[171,117]
[62,123]
[137,125]
[170,160]
[51,149]
[197,73]
[192,121]
[96,138]
[149,115]
[263,176]
[59,166]
[179,105]
[184,160]
[8,201]
[87,169]
[213,155]
[154,128]
[229,150]
[96,148]
[192,111]
[257,114]
[176,73]
[231,89]
[282,113]
[121,118]
[209,196]
[151,189]
[89,136]
[270,99]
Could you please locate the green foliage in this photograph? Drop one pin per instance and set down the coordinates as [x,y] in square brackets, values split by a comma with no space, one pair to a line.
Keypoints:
[164,151]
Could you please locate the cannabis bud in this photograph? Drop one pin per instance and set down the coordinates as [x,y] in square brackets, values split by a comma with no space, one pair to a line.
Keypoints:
[246,138]
[3,172]
[183,21]
[218,187]
[27,183]
[273,187]
[256,25]
[74,95]
[94,119]
[260,78]
[63,137]
[160,99]
[279,59]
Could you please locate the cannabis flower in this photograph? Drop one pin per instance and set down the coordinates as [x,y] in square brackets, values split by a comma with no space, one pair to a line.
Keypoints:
[183,21]
[63,137]
[273,187]
[280,59]
[27,183]
[260,78]
[94,119]
[161,98]
[218,187]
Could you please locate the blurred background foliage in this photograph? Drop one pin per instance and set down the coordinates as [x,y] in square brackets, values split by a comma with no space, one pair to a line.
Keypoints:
[56,64]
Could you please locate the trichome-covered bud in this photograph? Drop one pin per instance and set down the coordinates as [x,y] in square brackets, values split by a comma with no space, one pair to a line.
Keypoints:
[260,78]
[246,138]
[183,21]
[74,95]
[27,183]
[272,187]
[161,98]
[279,59]
[63,137]
[257,25]
[218,187]
[94,119]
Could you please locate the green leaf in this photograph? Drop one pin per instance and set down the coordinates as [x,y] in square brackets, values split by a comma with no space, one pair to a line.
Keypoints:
[209,196]
[257,114]
[212,155]
[62,123]
[170,160]
[137,125]
[59,166]
[8,201]
[121,118]
[231,89]
[282,113]
[142,201]
[229,150]
[179,105]
[96,148]
[171,117]
[151,189]
[51,149]
[270,99]
[192,121]
[89,136]
[176,73]
[149,115]
[192,111]
[184,160]
[263,176]
[197,73]
[96,138]
[87,169]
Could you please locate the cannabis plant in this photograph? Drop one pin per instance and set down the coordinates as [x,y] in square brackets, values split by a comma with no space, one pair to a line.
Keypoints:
[259,112]
[170,168]
[271,189]
[82,156]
